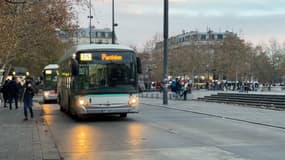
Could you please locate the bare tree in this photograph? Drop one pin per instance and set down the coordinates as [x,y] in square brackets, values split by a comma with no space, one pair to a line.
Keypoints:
[29,36]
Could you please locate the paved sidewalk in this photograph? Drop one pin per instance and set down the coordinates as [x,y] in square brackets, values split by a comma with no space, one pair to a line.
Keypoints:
[248,114]
[202,93]
[25,140]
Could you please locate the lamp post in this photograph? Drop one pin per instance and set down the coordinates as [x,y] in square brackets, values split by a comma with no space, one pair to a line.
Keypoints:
[165,53]
[208,72]
[90,27]
[113,22]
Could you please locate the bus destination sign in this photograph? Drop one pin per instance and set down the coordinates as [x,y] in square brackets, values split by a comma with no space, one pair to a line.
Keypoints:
[106,57]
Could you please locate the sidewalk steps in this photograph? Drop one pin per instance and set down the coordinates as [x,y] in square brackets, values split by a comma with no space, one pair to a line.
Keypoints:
[252,95]
[276,100]
[250,101]
[268,101]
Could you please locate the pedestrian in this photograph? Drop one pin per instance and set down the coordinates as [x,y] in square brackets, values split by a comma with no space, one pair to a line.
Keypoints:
[174,87]
[178,87]
[184,91]
[29,92]
[13,92]
[4,91]
[21,91]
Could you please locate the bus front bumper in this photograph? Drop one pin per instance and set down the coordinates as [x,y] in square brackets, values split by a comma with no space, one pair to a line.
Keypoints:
[113,110]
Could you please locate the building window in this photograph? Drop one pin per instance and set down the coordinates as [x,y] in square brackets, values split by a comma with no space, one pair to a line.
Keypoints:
[99,34]
[187,38]
[194,37]
[203,37]
[93,34]
[220,36]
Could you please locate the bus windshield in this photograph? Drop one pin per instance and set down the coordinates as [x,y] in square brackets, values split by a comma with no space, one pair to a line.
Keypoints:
[50,80]
[108,72]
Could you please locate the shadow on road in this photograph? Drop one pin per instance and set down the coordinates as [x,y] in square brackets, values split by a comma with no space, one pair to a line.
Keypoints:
[101,118]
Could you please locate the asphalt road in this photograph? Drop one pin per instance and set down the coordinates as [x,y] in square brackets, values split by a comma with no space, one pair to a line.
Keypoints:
[158,133]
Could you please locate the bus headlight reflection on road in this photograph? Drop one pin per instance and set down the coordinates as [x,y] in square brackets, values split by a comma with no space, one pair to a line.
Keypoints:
[133,101]
[82,102]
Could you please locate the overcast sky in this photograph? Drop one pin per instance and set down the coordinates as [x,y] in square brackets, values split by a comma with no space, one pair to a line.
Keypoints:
[257,21]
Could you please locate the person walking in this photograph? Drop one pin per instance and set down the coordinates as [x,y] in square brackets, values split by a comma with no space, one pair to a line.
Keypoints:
[29,92]
[4,91]
[184,90]
[13,92]
[21,92]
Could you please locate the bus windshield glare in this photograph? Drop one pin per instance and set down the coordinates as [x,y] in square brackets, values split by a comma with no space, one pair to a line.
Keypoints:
[107,72]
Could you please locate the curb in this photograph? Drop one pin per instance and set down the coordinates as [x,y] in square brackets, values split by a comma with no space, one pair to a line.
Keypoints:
[46,141]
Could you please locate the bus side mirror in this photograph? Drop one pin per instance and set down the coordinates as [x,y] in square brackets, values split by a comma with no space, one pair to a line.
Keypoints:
[139,65]
[74,67]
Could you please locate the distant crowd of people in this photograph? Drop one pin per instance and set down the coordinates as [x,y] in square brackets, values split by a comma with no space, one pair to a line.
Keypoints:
[13,92]
[232,86]
[180,88]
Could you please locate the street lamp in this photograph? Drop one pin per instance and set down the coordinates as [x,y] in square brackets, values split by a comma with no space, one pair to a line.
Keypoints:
[165,52]
[208,71]
[113,22]
[90,27]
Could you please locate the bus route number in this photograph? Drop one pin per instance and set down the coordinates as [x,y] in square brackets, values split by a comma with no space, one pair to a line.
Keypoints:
[85,57]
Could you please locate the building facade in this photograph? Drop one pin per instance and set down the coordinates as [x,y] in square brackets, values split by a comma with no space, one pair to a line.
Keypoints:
[82,36]
[195,37]
[98,36]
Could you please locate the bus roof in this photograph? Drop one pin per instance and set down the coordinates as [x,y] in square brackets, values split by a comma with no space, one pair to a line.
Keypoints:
[51,66]
[86,47]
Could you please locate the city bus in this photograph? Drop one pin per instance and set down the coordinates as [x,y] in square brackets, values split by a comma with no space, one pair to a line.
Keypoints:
[50,76]
[99,79]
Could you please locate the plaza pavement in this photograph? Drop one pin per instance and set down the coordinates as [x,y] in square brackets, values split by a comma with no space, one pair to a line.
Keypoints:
[25,140]
[247,114]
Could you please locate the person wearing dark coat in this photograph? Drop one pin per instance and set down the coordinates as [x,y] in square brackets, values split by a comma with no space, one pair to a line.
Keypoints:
[29,92]
[13,92]
[4,91]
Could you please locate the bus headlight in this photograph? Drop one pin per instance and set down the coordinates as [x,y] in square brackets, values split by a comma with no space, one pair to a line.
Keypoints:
[82,102]
[46,93]
[133,101]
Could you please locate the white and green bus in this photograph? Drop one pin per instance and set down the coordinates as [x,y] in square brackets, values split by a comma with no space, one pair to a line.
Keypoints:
[50,76]
[99,79]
